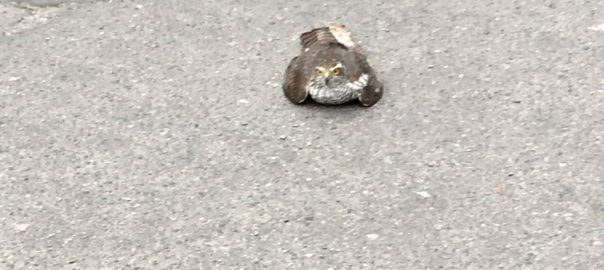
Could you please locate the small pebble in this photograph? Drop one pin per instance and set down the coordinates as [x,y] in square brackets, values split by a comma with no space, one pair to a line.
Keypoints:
[372,236]
[21,227]
[423,194]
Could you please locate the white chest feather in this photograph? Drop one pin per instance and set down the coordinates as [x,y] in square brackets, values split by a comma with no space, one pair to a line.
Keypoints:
[339,94]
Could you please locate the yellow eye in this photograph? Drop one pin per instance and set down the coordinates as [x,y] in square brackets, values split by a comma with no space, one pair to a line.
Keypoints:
[337,71]
[319,71]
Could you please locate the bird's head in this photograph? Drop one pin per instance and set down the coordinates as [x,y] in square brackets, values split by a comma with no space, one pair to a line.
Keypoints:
[331,73]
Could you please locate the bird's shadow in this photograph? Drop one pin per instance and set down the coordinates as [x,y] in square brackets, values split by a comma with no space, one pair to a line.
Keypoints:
[313,104]
[351,109]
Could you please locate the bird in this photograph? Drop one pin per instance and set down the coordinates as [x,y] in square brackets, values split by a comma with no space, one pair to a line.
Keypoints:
[331,69]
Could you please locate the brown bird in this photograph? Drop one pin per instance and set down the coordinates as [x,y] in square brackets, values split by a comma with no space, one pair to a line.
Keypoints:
[331,69]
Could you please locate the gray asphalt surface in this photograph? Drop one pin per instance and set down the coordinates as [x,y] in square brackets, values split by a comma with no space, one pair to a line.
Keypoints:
[154,135]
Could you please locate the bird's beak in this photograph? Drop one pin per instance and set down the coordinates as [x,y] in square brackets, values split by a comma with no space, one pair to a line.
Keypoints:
[327,75]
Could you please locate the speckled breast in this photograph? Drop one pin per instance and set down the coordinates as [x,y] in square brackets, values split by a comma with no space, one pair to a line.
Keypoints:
[327,95]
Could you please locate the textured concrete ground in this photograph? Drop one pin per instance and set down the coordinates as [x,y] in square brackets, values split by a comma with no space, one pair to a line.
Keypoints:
[154,135]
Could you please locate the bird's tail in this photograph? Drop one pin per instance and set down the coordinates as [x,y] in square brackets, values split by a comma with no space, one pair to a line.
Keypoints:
[317,35]
[333,33]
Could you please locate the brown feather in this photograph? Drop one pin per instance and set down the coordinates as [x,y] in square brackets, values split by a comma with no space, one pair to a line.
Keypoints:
[374,90]
[294,85]
[317,35]
[372,93]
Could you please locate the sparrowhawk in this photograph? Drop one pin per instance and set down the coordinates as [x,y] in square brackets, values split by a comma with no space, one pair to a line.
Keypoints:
[332,69]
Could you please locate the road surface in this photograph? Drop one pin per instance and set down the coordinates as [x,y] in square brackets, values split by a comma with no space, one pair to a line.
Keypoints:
[154,135]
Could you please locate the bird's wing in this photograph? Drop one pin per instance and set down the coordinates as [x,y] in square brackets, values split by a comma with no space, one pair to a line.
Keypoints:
[374,89]
[294,84]
[372,93]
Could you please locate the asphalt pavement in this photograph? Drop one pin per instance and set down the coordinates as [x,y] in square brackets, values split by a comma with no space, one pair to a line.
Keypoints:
[154,135]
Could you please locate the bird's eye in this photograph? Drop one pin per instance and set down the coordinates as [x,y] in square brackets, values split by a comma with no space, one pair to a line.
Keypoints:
[337,71]
[319,71]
